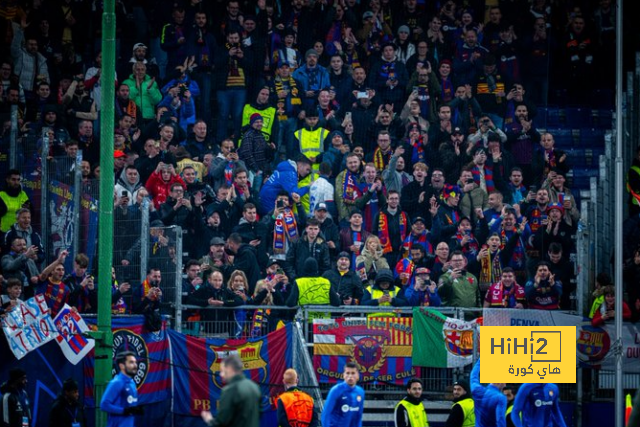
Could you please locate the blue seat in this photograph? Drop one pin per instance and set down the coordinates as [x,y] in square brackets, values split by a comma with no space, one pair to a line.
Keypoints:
[563,137]
[578,117]
[555,117]
[591,138]
[540,120]
[603,119]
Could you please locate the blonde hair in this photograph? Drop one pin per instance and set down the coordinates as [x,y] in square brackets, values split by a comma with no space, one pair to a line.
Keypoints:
[290,377]
[234,275]
[370,238]
[260,285]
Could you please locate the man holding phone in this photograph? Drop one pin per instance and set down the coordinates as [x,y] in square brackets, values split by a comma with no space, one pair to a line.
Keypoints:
[457,287]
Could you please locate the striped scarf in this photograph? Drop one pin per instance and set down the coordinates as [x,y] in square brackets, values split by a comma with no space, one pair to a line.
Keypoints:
[228,173]
[380,159]
[285,223]
[383,230]
[406,266]
[490,270]
[356,237]
[412,239]
[119,307]
[417,154]
[470,249]
[350,189]
[488,178]
[371,211]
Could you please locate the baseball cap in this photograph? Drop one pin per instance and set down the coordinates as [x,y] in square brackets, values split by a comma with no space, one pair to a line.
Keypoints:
[367,14]
[118,154]
[216,241]
[138,46]
[419,219]
[344,254]
[321,207]
[156,223]
[457,131]
[422,270]
[558,206]
[274,260]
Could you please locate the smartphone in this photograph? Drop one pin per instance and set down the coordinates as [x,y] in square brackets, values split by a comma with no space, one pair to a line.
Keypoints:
[124,194]
[532,188]
[280,204]
[279,271]
[361,95]
[347,115]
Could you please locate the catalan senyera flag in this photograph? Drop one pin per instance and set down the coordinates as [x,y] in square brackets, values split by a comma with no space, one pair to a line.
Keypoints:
[381,346]
[196,367]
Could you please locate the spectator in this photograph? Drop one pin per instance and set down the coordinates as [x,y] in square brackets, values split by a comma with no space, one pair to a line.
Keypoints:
[253,232]
[562,268]
[389,76]
[309,245]
[84,295]
[129,184]
[56,293]
[244,259]
[285,178]
[224,164]
[12,199]
[147,298]
[559,193]
[392,226]
[161,182]
[11,299]
[312,77]
[22,228]
[143,90]
[345,281]
[383,293]
[285,95]
[255,151]
[31,66]
[457,287]
[543,291]
[200,141]
[607,310]
[505,293]
[548,159]
[424,291]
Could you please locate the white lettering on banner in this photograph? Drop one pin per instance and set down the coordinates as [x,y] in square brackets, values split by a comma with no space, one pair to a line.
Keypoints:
[28,326]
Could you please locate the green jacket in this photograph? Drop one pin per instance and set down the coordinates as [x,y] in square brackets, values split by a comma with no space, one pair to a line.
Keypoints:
[239,404]
[463,292]
[145,99]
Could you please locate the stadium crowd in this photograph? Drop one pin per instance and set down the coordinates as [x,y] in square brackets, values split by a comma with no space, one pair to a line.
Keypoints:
[378,153]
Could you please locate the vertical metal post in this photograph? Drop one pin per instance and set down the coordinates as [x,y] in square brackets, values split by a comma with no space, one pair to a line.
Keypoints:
[44,187]
[13,143]
[178,292]
[579,397]
[144,239]
[77,197]
[619,202]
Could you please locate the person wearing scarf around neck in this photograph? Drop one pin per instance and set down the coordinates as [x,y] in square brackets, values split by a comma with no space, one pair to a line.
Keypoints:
[506,293]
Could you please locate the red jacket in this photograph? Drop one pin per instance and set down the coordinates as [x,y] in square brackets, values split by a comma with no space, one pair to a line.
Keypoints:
[599,321]
[159,190]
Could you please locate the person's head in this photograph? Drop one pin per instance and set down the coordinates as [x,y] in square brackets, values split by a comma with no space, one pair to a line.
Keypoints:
[80,264]
[543,270]
[256,121]
[70,391]
[451,195]
[215,279]
[465,225]
[495,200]
[417,252]
[351,374]
[359,75]
[312,228]
[154,276]
[355,219]
[336,63]
[494,242]
[17,378]
[370,173]
[13,179]
[609,293]
[508,277]
[393,199]
[166,133]
[234,241]
[324,97]
[226,147]
[139,69]
[14,288]
[388,52]
[23,218]
[460,389]
[230,367]
[192,269]
[233,38]
[480,156]
[444,112]
[547,141]
[353,163]
[200,129]
[509,392]
[31,44]
[372,244]
[290,378]
[458,260]
[127,363]
[384,140]
[555,252]
[344,261]
[43,90]
[249,213]
[420,171]
[437,179]
[495,15]
[414,388]
[555,211]
[177,191]
[304,166]
[559,180]
[442,251]
[6,69]
[311,58]
[516,176]
[542,196]
[577,24]
[238,281]
[471,38]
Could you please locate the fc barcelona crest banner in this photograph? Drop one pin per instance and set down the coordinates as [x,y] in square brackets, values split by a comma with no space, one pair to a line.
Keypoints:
[196,367]
[380,346]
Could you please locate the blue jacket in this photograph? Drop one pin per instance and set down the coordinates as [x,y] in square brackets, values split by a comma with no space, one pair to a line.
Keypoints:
[344,406]
[121,393]
[539,405]
[490,403]
[284,178]
[416,298]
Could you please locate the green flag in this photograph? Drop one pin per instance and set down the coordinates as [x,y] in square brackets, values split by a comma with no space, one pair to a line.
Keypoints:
[440,341]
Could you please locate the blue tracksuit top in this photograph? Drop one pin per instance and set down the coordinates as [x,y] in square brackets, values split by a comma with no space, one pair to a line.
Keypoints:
[285,178]
[344,406]
[121,393]
[539,405]
[490,404]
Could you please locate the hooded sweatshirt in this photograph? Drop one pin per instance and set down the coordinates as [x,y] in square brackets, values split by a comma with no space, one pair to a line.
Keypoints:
[123,185]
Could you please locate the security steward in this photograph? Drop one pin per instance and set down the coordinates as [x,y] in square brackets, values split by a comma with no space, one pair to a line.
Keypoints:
[295,407]
[410,411]
[463,410]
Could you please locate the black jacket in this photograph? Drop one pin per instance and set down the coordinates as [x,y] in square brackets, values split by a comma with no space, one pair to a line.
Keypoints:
[347,285]
[64,414]
[254,231]
[302,249]
[409,201]
[246,260]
